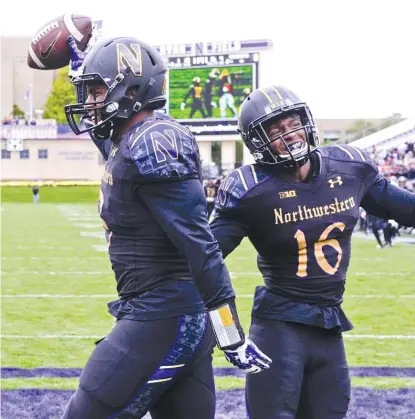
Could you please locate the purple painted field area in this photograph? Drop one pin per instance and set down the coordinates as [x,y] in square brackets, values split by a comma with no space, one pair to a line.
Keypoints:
[366,404]
[219,372]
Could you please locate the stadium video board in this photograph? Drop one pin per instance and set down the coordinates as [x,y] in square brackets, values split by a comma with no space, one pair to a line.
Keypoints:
[210,89]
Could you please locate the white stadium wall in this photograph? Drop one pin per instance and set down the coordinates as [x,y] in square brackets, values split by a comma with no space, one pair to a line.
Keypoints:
[66,160]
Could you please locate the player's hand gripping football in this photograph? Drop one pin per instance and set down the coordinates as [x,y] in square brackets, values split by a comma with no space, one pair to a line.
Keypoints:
[77,56]
[239,350]
[248,357]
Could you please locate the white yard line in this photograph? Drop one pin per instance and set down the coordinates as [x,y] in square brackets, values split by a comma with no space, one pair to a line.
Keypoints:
[96,234]
[57,247]
[58,296]
[348,336]
[28,273]
[351,274]
[89,225]
[92,296]
[357,296]
[379,337]
[103,248]
[49,257]
[391,274]
[83,217]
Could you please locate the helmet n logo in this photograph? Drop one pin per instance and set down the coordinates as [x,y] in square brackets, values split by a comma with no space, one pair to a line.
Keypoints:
[333,182]
[130,56]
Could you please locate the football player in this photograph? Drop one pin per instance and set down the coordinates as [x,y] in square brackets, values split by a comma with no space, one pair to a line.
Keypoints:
[196,92]
[208,91]
[298,205]
[167,264]
[226,86]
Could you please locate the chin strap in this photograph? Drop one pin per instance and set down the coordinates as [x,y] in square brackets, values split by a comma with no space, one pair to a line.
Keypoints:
[107,131]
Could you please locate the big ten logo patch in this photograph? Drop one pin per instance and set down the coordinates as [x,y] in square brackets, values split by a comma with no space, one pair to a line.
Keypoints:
[288,194]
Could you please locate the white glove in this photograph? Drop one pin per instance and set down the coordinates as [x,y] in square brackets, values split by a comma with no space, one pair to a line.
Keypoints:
[229,334]
[393,223]
[213,104]
[78,56]
[182,106]
[248,357]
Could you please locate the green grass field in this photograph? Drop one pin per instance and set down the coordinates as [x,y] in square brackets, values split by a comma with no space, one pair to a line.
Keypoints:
[56,281]
[181,79]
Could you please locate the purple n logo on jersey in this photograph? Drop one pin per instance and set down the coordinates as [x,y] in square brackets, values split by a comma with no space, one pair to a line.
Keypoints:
[165,144]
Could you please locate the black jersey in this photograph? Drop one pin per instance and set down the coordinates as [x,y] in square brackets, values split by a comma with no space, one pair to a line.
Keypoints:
[302,230]
[152,203]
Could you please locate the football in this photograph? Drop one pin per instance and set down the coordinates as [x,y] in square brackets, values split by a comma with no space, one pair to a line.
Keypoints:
[48,49]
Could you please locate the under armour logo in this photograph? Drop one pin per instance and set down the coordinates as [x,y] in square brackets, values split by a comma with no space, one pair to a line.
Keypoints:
[113,151]
[333,182]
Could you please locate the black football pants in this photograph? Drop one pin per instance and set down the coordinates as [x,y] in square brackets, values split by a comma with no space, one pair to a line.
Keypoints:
[162,366]
[309,376]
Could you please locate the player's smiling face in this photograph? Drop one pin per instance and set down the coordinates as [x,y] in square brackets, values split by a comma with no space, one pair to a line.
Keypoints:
[96,93]
[288,128]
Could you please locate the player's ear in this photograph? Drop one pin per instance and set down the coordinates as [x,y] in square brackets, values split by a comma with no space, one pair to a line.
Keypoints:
[131,92]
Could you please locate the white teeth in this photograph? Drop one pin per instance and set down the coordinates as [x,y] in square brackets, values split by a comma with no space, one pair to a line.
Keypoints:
[295,146]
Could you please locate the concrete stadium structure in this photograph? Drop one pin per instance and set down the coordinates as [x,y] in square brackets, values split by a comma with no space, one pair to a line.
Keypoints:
[68,157]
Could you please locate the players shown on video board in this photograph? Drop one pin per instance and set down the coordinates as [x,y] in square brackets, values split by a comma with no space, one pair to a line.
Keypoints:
[226,98]
[196,91]
[208,91]
[214,92]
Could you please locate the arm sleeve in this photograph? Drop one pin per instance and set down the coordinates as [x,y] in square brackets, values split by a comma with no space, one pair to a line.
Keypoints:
[229,230]
[189,92]
[390,202]
[180,210]
[384,200]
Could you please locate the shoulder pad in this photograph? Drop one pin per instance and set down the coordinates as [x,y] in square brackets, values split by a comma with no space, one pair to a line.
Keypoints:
[237,184]
[347,152]
[161,148]
[161,115]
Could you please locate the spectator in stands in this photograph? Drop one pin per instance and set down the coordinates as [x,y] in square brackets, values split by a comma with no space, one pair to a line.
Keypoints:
[211,191]
[397,162]
[402,182]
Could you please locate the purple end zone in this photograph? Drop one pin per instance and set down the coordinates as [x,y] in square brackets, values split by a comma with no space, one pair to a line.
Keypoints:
[40,372]
[219,372]
[365,403]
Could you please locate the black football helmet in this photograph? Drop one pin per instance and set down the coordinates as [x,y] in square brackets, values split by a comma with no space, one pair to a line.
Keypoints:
[259,109]
[123,65]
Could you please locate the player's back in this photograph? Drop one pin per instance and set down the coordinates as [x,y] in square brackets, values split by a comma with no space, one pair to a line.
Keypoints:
[154,154]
